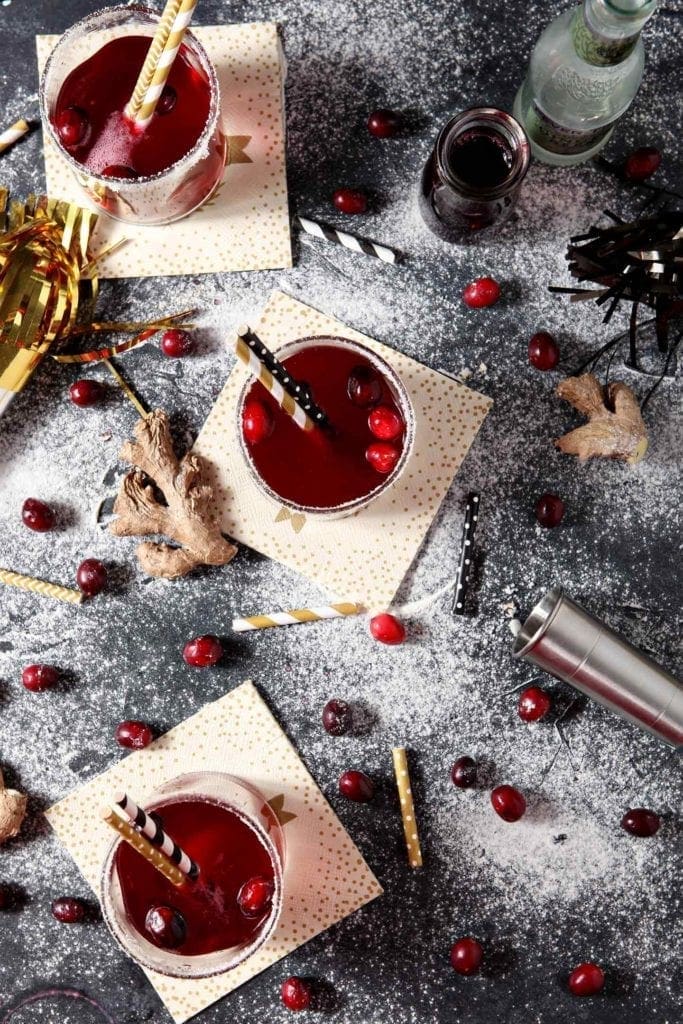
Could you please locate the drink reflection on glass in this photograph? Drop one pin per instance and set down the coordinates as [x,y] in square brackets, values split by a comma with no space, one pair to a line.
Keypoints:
[150,175]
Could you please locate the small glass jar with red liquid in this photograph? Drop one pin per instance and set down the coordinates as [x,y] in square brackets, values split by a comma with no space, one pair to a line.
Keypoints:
[227,828]
[153,175]
[337,469]
[472,179]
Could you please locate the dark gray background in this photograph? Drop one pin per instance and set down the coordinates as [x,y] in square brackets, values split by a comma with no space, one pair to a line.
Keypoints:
[540,904]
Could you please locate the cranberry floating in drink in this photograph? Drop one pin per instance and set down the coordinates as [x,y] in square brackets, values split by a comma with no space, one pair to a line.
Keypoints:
[340,467]
[227,905]
[471,181]
[152,173]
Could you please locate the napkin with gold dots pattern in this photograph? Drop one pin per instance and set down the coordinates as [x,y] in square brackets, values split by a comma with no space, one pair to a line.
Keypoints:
[325,877]
[365,556]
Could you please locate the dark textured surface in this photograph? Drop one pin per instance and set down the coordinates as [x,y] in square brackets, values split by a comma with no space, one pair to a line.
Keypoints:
[564,885]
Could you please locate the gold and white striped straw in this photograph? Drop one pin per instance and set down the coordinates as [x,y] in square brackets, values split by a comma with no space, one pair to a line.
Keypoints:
[405,795]
[13,134]
[167,40]
[36,586]
[263,374]
[152,854]
[296,616]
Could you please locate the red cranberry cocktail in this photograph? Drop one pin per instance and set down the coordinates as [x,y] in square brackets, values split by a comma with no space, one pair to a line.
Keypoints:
[149,175]
[210,924]
[338,468]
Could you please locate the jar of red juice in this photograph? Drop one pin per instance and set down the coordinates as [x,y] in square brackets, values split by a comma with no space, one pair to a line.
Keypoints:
[146,176]
[208,925]
[472,179]
[358,455]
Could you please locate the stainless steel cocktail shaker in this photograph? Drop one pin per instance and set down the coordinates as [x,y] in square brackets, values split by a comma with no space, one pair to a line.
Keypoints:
[570,643]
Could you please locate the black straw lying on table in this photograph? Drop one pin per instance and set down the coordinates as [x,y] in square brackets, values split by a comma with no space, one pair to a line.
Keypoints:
[296,390]
[465,567]
[343,238]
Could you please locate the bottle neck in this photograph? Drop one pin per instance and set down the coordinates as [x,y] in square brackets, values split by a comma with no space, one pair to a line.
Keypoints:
[605,32]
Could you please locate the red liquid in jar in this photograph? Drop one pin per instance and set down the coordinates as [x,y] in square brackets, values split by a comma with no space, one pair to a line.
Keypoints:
[228,852]
[323,467]
[101,86]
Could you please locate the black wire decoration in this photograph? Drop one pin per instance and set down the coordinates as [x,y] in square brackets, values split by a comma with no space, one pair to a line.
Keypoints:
[640,262]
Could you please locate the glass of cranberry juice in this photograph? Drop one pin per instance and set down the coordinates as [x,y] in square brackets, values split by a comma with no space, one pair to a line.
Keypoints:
[336,470]
[153,176]
[210,925]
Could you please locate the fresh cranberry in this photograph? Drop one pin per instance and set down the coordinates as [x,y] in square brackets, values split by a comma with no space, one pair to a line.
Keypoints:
[167,100]
[466,956]
[87,392]
[385,423]
[387,629]
[296,994]
[350,200]
[68,909]
[91,577]
[72,126]
[382,456]
[543,351]
[534,704]
[120,171]
[257,421]
[383,124]
[641,822]
[166,927]
[255,896]
[549,510]
[364,387]
[464,772]
[482,292]
[37,515]
[586,980]
[133,735]
[39,677]
[356,786]
[337,717]
[642,163]
[203,651]
[175,343]
[508,803]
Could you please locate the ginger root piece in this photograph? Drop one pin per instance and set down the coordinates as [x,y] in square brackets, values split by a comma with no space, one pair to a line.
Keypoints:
[186,518]
[12,811]
[615,428]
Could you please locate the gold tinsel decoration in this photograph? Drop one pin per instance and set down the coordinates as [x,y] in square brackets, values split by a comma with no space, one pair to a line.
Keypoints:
[48,289]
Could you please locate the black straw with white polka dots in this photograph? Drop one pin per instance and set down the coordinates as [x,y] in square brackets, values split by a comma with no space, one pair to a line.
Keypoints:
[465,567]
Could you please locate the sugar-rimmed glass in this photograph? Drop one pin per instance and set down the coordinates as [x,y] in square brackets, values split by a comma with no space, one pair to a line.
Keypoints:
[401,397]
[153,199]
[247,803]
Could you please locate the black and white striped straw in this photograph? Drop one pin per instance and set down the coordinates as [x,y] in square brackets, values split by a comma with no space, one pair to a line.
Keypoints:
[465,567]
[299,392]
[324,231]
[156,835]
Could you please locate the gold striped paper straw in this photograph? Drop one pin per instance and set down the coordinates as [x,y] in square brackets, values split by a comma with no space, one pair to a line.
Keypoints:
[405,795]
[13,134]
[36,586]
[263,374]
[152,854]
[167,40]
[295,616]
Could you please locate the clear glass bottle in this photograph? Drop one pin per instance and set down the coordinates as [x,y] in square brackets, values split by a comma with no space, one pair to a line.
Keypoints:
[584,73]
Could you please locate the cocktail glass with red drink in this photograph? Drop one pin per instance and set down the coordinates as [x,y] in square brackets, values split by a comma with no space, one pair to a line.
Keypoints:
[213,923]
[339,468]
[147,176]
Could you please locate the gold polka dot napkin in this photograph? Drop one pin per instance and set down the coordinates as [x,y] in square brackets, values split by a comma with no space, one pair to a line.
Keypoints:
[325,878]
[365,556]
[245,225]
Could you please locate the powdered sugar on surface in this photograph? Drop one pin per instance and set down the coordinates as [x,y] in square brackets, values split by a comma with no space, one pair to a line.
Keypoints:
[539,902]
